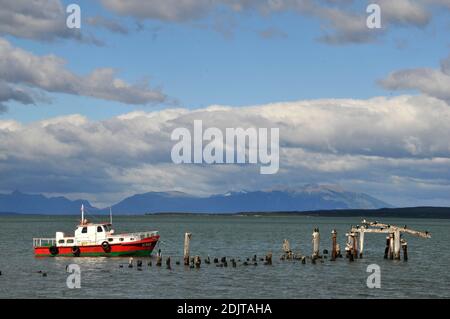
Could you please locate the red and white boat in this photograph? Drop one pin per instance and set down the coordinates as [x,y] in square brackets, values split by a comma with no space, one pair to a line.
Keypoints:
[96,240]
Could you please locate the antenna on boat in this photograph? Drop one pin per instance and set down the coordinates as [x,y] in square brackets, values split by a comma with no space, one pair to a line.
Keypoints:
[82,213]
[110,215]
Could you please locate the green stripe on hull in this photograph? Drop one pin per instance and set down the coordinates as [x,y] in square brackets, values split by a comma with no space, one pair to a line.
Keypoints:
[139,253]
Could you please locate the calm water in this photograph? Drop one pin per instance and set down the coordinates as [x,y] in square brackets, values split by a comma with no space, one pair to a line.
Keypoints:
[425,275]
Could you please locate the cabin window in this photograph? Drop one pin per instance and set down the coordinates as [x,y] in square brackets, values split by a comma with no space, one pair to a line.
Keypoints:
[121,239]
[99,229]
[70,241]
[84,230]
[61,241]
[110,239]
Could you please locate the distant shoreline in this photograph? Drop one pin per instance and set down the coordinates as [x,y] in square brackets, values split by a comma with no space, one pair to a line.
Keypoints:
[406,212]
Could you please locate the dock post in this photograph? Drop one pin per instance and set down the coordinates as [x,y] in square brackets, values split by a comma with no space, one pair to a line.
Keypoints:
[197,261]
[348,246]
[405,250]
[361,243]
[316,242]
[268,259]
[386,250]
[333,245]
[397,245]
[351,253]
[391,246]
[187,242]
[355,245]
[287,249]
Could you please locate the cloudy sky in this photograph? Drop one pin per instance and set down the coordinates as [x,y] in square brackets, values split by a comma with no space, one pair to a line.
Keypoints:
[88,113]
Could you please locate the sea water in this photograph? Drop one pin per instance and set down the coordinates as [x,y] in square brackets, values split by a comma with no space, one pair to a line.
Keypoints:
[424,275]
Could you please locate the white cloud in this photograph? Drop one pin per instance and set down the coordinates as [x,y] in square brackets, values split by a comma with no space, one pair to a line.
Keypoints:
[43,20]
[49,73]
[433,82]
[361,144]
[342,21]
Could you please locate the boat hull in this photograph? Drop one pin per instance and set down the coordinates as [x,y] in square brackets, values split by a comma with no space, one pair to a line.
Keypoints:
[141,248]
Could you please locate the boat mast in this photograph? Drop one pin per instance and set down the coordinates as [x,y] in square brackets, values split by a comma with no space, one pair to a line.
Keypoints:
[82,214]
[110,216]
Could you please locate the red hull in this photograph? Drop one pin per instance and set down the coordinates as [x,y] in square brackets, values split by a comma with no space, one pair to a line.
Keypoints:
[136,248]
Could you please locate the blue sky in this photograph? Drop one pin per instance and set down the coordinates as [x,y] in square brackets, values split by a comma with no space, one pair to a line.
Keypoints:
[198,66]
[231,53]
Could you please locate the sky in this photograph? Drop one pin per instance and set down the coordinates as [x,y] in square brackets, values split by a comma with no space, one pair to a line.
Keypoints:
[87,113]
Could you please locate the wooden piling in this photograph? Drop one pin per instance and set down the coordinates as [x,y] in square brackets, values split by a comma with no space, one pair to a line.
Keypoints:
[268,259]
[361,243]
[386,250]
[397,245]
[333,245]
[186,251]
[338,251]
[168,263]
[316,242]
[349,246]
[287,252]
[405,250]
[355,246]
[197,261]
[391,246]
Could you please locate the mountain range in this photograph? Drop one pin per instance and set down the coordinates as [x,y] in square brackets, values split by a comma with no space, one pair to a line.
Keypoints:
[306,198]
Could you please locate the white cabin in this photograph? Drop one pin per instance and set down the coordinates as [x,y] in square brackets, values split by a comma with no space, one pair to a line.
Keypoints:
[95,234]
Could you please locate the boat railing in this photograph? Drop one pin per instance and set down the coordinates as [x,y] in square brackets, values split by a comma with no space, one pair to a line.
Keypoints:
[140,235]
[44,242]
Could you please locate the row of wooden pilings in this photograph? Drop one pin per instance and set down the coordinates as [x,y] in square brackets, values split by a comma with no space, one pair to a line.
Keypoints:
[354,249]
[354,246]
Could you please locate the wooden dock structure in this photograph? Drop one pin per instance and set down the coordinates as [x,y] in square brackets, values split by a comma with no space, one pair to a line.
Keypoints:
[394,241]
